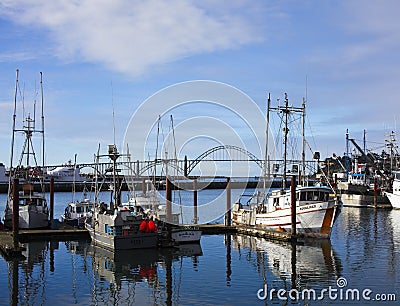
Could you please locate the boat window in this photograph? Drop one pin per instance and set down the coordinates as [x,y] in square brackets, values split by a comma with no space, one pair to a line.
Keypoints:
[309,195]
[79,209]
[397,176]
[303,196]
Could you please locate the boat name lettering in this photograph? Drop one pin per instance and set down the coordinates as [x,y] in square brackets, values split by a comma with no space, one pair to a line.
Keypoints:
[308,207]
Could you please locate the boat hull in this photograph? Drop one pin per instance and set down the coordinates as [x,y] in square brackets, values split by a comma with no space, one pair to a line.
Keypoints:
[359,200]
[30,217]
[312,220]
[76,222]
[186,235]
[394,199]
[123,242]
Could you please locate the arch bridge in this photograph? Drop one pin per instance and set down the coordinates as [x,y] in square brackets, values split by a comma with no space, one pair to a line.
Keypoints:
[223,153]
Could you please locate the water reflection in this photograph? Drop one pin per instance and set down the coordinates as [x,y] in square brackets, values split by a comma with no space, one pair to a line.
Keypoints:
[365,249]
[135,276]
[313,264]
[27,278]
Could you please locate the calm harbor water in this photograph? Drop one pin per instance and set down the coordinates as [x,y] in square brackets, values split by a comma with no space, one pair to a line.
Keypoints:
[362,257]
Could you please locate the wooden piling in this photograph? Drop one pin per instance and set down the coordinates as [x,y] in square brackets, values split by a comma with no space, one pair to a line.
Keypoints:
[195,218]
[168,217]
[51,199]
[375,193]
[15,215]
[293,206]
[228,202]
[168,196]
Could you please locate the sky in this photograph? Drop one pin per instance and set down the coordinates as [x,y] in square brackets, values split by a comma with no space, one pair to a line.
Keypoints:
[100,58]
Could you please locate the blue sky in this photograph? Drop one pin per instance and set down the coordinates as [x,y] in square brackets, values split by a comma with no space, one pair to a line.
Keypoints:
[96,53]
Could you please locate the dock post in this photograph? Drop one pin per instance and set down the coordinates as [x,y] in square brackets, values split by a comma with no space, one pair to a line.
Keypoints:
[195,218]
[228,202]
[375,193]
[15,215]
[51,200]
[293,206]
[168,195]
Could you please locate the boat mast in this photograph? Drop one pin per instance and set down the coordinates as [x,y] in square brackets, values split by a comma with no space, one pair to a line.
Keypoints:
[303,153]
[13,134]
[42,131]
[113,154]
[266,145]
[285,134]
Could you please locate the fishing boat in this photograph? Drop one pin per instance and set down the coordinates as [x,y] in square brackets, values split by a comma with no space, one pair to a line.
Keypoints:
[77,212]
[32,203]
[117,226]
[363,185]
[394,195]
[148,199]
[316,207]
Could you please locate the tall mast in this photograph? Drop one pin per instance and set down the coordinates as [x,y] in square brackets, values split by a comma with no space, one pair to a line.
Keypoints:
[303,153]
[41,90]
[266,143]
[285,133]
[347,151]
[13,133]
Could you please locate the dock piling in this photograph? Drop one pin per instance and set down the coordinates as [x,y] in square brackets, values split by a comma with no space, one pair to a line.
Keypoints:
[293,206]
[15,215]
[168,217]
[228,202]
[51,200]
[195,218]
[375,193]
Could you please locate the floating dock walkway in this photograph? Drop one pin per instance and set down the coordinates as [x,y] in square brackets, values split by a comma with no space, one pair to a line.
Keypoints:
[65,233]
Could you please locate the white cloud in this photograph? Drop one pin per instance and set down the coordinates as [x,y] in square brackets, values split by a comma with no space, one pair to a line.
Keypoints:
[131,36]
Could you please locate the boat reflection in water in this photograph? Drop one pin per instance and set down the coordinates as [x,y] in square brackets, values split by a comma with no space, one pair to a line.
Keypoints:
[135,277]
[313,264]
[27,274]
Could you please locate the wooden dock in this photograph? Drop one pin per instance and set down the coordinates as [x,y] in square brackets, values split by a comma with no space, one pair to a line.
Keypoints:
[9,252]
[66,233]
[216,229]
[264,233]
[7,249]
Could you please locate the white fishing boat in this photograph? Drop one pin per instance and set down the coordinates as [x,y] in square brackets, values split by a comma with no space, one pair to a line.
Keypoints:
[32,205]
[316,211]
[316,206]
[77,212]
[394,195]
[116,227]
